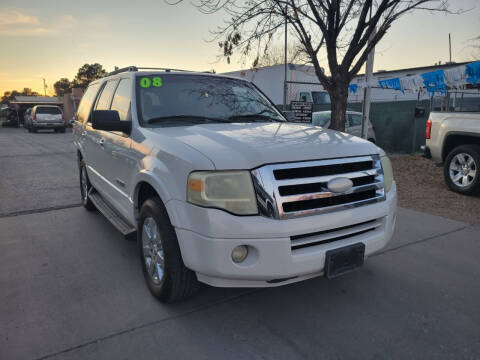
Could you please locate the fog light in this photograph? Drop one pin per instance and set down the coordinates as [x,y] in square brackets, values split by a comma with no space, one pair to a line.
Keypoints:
[239,253]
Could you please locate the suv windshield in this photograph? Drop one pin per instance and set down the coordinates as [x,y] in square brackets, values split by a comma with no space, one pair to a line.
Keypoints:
[320,97]
[170,100]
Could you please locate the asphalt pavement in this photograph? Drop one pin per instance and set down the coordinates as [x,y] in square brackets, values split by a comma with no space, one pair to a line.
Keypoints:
[71,287]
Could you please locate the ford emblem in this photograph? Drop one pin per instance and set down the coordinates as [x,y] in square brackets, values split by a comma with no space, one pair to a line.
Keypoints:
[339,185]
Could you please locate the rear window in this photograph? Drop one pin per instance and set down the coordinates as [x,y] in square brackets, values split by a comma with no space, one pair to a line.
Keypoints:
[48,110]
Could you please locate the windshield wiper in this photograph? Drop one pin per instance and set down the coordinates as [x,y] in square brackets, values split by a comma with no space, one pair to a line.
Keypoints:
[185,118]
[253,118]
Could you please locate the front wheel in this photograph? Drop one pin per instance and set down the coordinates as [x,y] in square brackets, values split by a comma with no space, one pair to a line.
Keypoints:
[85,188]
[165,273]
[461,169]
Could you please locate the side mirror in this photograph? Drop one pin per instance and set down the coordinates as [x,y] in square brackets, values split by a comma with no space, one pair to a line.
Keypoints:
[109,120]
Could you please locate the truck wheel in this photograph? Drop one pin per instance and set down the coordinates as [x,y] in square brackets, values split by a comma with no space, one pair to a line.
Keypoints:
[165,273]
[85,187]
[61,130]
[461,169]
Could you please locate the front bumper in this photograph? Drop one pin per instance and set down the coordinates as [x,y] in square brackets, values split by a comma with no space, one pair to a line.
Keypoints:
[208,236]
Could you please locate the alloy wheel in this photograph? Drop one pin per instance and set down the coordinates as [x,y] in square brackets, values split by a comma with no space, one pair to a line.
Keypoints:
[462,170]
[84,184]
[153,254]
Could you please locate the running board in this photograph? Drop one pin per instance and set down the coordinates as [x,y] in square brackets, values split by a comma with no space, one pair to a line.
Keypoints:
[120,224]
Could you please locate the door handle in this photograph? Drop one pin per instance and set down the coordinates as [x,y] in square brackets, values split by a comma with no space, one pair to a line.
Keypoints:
[101,142]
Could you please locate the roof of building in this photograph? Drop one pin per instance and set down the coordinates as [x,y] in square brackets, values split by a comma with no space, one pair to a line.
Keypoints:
[379,72]
[419,68]
[37,100]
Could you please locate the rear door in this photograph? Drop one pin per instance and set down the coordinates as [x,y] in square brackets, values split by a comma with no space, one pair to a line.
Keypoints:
[84,136]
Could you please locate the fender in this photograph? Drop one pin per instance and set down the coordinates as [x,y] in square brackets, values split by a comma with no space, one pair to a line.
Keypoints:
[450,134]
[158,185]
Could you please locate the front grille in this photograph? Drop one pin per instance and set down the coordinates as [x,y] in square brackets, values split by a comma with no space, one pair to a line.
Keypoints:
[299,189]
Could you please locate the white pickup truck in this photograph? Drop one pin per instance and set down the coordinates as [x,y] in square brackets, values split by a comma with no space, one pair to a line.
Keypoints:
[216,187]
[453,139]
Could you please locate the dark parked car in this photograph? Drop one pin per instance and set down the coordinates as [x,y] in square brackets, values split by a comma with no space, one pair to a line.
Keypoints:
[9,117]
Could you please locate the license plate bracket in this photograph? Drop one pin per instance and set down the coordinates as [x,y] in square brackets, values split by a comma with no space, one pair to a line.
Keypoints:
[344,260]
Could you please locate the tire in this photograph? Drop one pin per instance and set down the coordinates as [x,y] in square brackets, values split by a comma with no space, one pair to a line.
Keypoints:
[174,282]
[61,130]
[85,187]
[34,130]
[462,169]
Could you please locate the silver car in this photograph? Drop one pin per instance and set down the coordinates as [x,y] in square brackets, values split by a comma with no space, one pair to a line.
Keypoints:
[46,117]
[353,123]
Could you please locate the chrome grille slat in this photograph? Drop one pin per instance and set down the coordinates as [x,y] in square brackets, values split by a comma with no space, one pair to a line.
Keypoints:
[308,195]
[349,231]
[326,178]
[348,160]
[326,194]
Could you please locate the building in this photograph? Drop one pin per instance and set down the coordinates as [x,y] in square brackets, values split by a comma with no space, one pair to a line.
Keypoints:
[68,103]
[380,95]
[302,78]
[270,79]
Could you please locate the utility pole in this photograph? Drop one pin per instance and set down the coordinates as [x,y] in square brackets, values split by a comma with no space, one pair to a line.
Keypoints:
[44,87]
[450,47]
[285,85]
[367,91]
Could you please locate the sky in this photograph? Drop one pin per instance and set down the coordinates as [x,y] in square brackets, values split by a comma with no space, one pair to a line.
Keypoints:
[52,39]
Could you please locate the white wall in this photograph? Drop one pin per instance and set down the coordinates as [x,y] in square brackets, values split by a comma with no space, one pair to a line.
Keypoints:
[270,80]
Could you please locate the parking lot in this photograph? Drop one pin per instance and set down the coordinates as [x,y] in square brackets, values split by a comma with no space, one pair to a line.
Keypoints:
[71,287]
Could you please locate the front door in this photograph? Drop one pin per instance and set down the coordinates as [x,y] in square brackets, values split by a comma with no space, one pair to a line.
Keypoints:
[116,147]
[95,139]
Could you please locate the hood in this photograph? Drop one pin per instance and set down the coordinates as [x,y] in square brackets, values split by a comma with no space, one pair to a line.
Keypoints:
[249,145]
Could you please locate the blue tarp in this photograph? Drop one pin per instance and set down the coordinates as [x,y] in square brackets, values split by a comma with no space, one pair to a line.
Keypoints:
[393,83]
[435,81]
[353,88]
[472,72]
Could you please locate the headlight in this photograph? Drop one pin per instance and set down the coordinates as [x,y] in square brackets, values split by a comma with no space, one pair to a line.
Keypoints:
[228,190]
[387,172]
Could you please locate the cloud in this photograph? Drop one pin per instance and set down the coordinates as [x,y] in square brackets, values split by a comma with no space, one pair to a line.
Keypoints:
[37,31]
[14,17]
[14,23]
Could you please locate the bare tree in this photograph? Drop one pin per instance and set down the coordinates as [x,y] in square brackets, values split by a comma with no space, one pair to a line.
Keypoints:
[475,46]
[275,55]
[344,31]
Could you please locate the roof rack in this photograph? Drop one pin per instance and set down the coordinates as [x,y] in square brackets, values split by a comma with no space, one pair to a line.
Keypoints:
[134,68]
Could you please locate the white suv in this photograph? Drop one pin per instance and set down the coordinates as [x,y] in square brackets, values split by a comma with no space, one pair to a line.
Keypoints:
[215,186]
